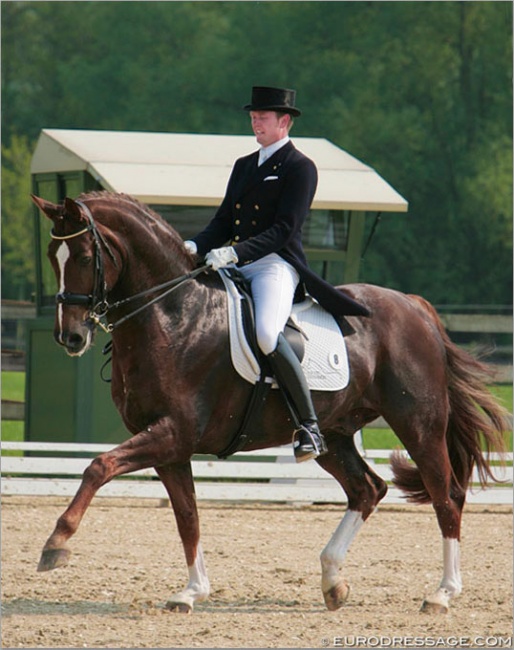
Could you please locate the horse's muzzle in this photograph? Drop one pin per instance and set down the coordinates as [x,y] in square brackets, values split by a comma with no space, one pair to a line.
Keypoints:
[76,341]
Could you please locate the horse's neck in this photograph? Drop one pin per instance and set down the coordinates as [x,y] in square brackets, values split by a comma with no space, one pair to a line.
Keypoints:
[152,256]
[180,335]
[192,318]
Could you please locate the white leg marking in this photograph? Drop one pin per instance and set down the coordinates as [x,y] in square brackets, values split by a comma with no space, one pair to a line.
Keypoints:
[198,587]
[333,554]
[451,584]
[62,255]
[451,581]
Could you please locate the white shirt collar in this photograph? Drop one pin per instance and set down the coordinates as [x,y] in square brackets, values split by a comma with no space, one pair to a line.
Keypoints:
[266,152]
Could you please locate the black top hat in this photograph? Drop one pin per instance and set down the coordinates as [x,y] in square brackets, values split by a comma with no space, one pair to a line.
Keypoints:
[273,99]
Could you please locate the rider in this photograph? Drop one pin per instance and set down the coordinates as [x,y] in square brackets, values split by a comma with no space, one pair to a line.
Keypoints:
[258,227]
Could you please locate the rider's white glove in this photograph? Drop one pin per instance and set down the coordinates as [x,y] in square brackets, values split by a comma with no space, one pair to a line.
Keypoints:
[191,247]
[220,257]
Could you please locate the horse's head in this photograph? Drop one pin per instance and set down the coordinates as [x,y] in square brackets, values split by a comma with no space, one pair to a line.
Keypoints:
[76,253]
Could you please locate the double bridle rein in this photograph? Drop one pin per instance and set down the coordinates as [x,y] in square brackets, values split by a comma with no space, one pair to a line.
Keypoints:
[97,301]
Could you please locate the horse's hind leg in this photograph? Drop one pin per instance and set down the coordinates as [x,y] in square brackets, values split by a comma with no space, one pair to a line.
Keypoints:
[430,480]
[448,502]
[364,490]
[178,481]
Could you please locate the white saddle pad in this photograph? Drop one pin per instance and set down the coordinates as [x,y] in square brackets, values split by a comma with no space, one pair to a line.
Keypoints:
[325,362]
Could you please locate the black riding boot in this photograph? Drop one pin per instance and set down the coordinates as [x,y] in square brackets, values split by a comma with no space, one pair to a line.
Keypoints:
[308,441]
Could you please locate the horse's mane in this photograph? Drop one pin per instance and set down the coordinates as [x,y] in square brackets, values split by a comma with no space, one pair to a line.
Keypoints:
[142,211]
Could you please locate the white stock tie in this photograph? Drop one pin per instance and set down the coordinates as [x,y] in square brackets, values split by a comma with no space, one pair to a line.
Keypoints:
[263,156]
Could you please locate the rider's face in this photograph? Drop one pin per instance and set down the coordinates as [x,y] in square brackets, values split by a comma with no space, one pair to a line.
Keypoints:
[268,126]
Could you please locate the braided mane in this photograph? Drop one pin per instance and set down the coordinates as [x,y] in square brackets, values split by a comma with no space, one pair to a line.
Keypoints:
[141,211]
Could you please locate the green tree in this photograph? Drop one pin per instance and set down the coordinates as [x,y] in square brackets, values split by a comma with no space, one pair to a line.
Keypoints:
[18,272]
[420,91]
[433,115]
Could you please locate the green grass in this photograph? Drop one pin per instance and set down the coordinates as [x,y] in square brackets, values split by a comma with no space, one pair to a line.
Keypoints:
[13,388]
[380,439]
[13,385]
[13,431]
[504,393]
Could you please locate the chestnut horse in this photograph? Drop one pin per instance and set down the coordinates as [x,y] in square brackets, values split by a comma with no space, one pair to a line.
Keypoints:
[178,393]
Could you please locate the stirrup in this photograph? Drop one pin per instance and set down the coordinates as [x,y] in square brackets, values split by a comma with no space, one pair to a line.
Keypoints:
[308,443]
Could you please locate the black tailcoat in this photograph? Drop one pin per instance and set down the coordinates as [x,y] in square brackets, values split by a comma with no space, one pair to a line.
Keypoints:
[263,212]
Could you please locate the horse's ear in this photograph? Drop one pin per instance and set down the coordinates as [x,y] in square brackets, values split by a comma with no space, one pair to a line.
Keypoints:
[50,210]
[72,210]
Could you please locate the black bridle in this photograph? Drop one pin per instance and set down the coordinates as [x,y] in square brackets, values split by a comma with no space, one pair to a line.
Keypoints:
[97,301]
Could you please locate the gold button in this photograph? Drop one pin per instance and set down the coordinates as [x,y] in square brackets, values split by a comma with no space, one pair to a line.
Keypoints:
[254,223]
[256,207]
[237,222]
[236,238]
[238,206]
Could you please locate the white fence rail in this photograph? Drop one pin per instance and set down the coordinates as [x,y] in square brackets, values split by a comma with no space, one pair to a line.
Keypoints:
[269,475]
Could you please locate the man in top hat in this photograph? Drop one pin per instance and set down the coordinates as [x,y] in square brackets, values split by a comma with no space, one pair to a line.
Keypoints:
[258,227]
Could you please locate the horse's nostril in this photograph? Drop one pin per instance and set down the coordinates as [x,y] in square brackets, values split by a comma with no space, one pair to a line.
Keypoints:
[74,340]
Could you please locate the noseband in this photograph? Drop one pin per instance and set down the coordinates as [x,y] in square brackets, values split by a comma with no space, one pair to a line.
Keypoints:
[96,301]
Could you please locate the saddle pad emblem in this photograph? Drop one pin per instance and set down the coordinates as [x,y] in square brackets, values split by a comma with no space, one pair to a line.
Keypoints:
[335,361]
[325,363]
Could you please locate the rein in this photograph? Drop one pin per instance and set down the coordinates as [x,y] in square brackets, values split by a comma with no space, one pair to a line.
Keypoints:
[97,301]
[171,285]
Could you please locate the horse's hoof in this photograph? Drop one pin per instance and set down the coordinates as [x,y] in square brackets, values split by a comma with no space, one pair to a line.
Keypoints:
[53,558]
[178,608]
[337,596]
[433,608]
[438,604]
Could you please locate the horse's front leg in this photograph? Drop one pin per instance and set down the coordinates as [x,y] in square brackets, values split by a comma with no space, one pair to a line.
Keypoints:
[145,449]
[178,481]
[364,489]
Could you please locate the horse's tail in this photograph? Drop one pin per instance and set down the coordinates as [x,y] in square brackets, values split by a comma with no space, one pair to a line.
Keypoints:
[477,422]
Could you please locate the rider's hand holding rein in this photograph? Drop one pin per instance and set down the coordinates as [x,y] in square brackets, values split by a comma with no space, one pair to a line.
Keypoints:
[217,258]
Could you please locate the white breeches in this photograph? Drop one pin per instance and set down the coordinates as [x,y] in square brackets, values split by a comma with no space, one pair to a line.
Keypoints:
[273,282]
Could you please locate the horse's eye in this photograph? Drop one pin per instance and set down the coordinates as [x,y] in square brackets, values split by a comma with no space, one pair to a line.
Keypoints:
[85,260]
